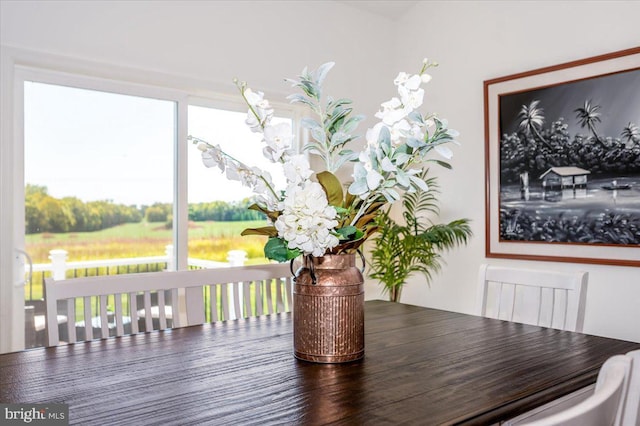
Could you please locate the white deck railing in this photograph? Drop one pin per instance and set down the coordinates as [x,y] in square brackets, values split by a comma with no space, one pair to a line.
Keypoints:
[59,265]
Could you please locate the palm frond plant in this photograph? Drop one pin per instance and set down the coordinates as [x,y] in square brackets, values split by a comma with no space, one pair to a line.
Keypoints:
[531,121]
[588,116]
[632,134]
[401,250]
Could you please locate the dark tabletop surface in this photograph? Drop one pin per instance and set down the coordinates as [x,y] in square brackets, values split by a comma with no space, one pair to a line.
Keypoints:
[421,366]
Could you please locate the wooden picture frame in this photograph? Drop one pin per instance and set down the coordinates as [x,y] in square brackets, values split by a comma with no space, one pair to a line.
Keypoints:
[562,162]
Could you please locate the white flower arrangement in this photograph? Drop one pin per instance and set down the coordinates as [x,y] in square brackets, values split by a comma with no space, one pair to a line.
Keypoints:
[313,215]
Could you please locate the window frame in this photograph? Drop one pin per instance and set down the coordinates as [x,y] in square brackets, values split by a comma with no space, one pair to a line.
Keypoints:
[17,67]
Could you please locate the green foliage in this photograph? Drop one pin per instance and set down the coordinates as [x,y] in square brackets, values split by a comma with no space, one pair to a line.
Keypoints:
[44,213]
[414,247]
[224,211]
[157,213]
[276,249]
[332,187]
[333,130]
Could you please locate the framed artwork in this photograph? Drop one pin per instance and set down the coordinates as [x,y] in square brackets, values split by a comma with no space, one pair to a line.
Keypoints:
[562,162]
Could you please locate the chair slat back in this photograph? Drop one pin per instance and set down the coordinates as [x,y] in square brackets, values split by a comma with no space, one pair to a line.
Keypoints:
[252,297]
[158,300]
[545,298]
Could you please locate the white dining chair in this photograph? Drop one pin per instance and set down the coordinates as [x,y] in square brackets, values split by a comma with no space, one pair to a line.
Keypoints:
[631,416]
[605,406]
[540,297]
[178,299]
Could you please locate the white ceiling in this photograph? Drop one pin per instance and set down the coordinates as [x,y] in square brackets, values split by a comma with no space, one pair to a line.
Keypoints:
[392,9]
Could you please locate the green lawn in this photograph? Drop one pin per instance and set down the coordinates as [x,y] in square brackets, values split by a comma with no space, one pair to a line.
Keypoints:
[207,240]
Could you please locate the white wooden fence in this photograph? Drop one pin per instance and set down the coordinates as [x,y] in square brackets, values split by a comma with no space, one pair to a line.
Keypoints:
[59,264]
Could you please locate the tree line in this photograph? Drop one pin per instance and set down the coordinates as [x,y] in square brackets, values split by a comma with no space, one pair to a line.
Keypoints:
[45,213]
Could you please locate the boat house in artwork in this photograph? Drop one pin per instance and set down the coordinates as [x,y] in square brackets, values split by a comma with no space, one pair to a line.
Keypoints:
[564,177]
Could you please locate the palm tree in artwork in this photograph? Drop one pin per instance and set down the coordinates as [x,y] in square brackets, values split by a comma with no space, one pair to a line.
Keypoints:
[588,116]
[632,134]
[531,120]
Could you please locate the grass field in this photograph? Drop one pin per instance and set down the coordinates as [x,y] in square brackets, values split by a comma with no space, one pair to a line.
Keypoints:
[207,240]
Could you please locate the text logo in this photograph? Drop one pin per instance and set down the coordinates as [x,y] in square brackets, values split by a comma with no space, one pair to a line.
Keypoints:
[34,414]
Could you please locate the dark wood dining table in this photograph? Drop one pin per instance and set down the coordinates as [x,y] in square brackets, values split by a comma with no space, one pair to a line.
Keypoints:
[422,366]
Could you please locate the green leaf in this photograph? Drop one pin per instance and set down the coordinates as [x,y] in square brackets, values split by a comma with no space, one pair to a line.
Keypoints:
[344,157]
[338,102]
[415,116]
[347,232]
[401,158]
[350,124]
[341,210]
[339,138]
[332,187]
[384,138]
[309,123]
[322,71]
[271,215]
[415,143]
[298,98]
[276,249]
[338,114]
[318,134]
[269,231]
[442,163]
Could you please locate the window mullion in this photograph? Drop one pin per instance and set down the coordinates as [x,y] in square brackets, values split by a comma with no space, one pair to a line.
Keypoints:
[180,207]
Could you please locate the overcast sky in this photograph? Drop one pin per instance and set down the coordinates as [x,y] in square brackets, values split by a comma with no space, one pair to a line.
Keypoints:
[95,146]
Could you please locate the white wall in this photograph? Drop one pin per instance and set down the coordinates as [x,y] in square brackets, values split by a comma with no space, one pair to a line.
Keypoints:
[186,45]
[477,41]
[261,42]
[210,43]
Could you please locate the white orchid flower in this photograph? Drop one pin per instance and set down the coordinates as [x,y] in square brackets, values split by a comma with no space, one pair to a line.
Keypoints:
[392,111]
[253,123]
[411,98]
[392,116]
[278,139]
[372,135]
[411,82]
[297,169]
[212,155]
[398,131]
[401,78]
[252,97]
[261,185]
[260,111]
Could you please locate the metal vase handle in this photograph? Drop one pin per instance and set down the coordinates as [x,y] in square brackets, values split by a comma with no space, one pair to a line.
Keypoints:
[312,271]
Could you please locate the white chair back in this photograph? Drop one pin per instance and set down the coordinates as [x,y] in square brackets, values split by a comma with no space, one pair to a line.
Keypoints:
[545,298]
[631,416]
[605,406]
[115,305]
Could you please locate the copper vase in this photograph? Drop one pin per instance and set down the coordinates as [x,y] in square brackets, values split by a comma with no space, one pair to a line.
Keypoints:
[328,310]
